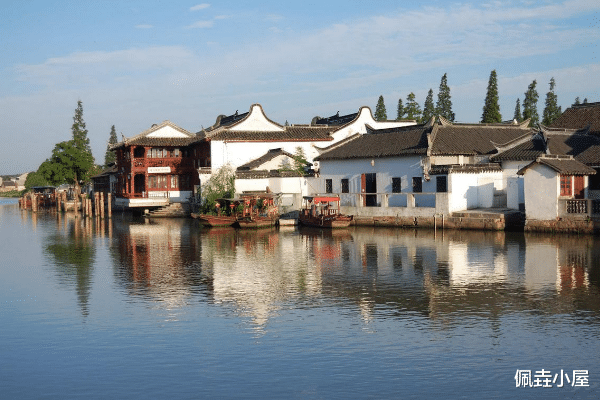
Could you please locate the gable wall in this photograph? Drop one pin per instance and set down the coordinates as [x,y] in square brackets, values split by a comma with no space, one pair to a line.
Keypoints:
[358,126]
[167,132]
[542,188]
[256,121]
[240,153]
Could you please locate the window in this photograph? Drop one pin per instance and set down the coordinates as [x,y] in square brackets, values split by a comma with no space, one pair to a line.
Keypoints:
[152,182]
[417,184]
[174,181]
[328,186]
[566,187]
[345,186]
[396,185]
[441,184]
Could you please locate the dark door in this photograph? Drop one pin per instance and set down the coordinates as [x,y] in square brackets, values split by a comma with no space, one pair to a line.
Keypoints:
[578,187]
[371,187]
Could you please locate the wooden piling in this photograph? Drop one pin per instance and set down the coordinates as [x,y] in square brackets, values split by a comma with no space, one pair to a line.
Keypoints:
[102,205]
[109,205]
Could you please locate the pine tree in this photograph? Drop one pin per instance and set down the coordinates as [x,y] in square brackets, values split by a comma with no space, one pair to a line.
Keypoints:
[491,108]
[400,112]
[443,106]
[517,116]
[428,109]
[109,156]
[551,111]
[412,109]
[585,100]
[380,113]
[530,104]
[80,138]
[577,101]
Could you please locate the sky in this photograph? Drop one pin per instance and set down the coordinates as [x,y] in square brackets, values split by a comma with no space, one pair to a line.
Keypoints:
[134,63]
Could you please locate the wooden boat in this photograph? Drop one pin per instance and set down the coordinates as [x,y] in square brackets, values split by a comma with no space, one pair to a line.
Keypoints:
[259,211]
[225,214]
[323,212]
[215,220]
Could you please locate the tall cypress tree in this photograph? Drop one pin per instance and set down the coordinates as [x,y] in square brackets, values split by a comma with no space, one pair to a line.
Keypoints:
[110,156]
[83,160]
[517,116]
[412,109]
[428,108]
[380,113]
[551,110]
[577,101]
[400,110]
[443,106]
[530,104]
[80,138]
[491,108]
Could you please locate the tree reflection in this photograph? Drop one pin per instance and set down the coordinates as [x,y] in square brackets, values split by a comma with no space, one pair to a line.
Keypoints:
[73,252]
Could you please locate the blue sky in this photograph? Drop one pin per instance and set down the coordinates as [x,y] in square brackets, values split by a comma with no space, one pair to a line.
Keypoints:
[135,63]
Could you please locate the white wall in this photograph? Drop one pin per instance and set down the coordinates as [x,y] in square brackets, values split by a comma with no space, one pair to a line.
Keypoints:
[167,132]
[366,118]
[542,188]
[239,153]
[515,190]
[469,190]
[386,168]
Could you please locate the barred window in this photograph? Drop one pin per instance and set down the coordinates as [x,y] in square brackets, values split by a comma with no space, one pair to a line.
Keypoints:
[441,184]
[328,186]
[345,186]
[396,185]
[417,184]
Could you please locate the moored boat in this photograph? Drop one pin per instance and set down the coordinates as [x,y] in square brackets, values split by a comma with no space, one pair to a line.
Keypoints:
[260,211]
[215,220]
[323,212]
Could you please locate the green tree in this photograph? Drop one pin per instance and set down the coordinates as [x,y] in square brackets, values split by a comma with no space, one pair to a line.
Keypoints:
[491,108]
[428,108]
[552,110]
[412,109]
[380,113]
[35,178]
[530,104]
[400,111]
[110,156]
[221,185]
[443,106]
[585,101]
[300,161]
[517,116]
[577,101]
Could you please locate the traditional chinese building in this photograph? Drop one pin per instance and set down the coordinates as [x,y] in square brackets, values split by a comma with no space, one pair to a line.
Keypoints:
[159,166]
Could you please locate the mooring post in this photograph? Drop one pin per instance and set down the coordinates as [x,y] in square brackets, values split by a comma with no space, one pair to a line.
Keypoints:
[109,205]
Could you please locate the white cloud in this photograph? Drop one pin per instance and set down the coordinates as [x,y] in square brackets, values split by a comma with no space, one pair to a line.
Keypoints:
[201,24]
[199,7]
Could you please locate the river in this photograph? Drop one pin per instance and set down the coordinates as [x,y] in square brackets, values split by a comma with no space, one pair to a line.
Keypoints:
[154,309]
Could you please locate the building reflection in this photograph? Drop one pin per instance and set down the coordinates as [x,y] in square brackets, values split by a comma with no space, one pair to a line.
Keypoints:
[441,275]
[159,259]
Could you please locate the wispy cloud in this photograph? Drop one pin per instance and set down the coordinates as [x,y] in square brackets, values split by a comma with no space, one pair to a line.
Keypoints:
[199,7]
[144,26]
[201,24]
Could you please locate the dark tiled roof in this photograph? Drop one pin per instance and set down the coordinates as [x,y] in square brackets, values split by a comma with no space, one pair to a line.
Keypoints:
[106,172]
[476,139]
[155,142]
[335,119]
[292,133]
[394,142]
[468,168]
[529,150]
[562,165]
[226,120]
[271,154]
[260,174]
[579,117]
[572,144]
[142,139]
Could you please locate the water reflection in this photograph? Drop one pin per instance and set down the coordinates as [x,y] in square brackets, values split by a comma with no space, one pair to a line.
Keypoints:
[366,273]
[158,259]
[71,250]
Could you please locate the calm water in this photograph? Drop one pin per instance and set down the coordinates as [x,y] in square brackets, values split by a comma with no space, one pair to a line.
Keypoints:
[162,309]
